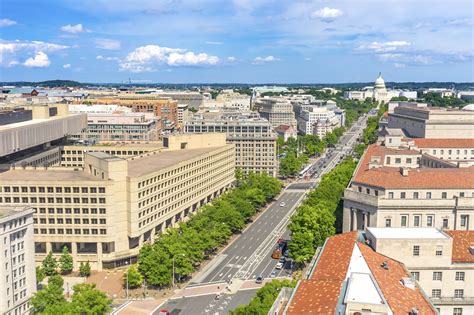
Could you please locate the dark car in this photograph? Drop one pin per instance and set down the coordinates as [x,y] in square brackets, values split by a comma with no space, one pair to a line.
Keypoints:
[259,279]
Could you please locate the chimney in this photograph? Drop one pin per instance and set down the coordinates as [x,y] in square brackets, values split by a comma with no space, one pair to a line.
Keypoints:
[414,311]
[404,171]
[385,265]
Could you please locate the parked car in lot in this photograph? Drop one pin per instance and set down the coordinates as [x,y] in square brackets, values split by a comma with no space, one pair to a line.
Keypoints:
[164,312]
[282,259]
[279,266]
[259,279]
[282,204]
[273,274]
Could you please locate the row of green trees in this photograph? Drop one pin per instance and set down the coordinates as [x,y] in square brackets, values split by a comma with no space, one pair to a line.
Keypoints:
[264,298]
[51,266]
[86,299]
[182,249]
[315,219]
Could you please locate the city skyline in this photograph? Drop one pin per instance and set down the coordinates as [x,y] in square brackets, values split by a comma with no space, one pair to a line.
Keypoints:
[236,41]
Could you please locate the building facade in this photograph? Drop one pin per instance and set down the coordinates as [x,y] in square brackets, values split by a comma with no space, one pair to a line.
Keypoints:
[105,211]
[253,137]
[442,262]
[17,271]
[276,111]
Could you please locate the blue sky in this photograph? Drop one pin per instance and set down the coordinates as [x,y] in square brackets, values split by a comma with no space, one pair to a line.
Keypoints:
[242,41]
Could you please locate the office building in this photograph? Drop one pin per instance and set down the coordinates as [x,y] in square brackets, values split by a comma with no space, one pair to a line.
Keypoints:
[105,211]
[412,183]
[442,262]
[286,132]
[348,277]
[253,137]
[16,260]
[277,111]
[30,135]
[317,121]
[432,122]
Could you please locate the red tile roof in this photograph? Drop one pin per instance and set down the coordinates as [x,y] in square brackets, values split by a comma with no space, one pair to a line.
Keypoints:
[462,240]
[444,143]
[400,298]
[320,294]
[429,178]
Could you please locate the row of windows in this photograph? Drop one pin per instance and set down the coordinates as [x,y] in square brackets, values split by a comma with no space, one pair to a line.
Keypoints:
[458,293]
[417,221]
[67,190]
[451,151]
[438,275]
[14,224]
[51,200]
[70,210]
[69,221]
[70,231]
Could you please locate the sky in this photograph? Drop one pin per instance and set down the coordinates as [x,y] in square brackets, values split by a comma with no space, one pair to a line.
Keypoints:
[237,41]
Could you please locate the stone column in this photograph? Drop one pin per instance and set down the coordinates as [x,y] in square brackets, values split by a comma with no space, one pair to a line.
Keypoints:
[49,247]
[366,214]
[74,255]
[99,256]
[354,219]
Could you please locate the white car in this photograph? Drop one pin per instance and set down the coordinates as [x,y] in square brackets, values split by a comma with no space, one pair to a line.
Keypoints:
[279,266]
[282,204]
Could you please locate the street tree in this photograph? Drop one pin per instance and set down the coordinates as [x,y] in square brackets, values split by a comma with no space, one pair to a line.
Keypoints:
[50,265]
[65,261]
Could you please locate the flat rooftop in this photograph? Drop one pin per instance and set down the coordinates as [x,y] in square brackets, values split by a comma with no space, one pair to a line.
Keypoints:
[139,166]
[37,121]
[407,233]
[51,174]
[7,211]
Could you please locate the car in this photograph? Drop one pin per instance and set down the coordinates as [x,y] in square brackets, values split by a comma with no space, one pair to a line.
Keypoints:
[273,274]
[286,253]
[282,204]
[282,259]
[164,312]
[259,279]
[279,266]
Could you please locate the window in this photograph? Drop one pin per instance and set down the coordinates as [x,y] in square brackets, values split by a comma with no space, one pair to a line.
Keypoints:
[428,195]
[445,223]
[457,311]
[437,276]
[439,252]
[398,160]
[436,293]
[416,221]
[402,195]
[404,220]
[464,219]
[416,250]
[390,195]
[429,220]
[458,293]
[388,222]
[408,161]
[444,195]
[415,275]
[459,275]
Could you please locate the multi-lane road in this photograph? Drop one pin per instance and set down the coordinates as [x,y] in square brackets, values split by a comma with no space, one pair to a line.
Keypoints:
[249,255]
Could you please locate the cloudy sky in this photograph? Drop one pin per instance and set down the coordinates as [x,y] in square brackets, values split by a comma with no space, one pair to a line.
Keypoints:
[247,41]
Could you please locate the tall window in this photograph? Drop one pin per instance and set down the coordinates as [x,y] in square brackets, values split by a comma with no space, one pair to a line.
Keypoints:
[457,311]
[429,220]
[459,275]
[415,275]
[428,195]
[436,293]
[445,223]
[404,220]
[464,219]
[388,222]
[402,195]
[415,195]
[444,195]
[458,293]
[416,221]
[390,195]
[437,276]
[416,250]
[439,251]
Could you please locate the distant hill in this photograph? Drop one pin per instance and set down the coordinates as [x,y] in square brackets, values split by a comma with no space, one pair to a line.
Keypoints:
[49,83]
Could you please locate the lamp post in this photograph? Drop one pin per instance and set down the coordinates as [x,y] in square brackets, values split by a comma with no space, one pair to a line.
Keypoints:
[172,279]
[126,264]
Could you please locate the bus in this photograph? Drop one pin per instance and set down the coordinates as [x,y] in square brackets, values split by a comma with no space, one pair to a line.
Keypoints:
[301,174]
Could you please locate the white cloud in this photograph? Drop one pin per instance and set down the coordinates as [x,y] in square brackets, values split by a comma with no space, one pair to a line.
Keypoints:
[40,60]
[326,14]
[67,66]
[213,43]
[108,44]
[73,29]
[261,60]
[399,65]
[307,59]
[100,57]
[12,51]
[7,22]
[142,58]
[231,59]
[387,46]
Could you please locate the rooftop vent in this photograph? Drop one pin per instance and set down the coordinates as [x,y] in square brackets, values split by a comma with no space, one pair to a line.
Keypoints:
[409,283]
[385,265]
[404,171]
[471,249]
[414,311]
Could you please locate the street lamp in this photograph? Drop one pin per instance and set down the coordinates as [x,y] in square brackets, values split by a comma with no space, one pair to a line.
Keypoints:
[172,279]
[126,264]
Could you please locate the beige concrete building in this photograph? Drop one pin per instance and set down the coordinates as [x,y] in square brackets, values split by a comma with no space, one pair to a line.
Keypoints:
[105,211]
[253,137]
[278,111]
[17,272]
[397,187]
[433,122]
[442,262]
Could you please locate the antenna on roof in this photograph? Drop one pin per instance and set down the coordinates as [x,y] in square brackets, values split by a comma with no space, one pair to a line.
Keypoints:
[385,265]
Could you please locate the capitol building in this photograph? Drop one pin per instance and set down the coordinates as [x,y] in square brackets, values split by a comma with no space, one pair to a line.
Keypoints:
[379,92]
